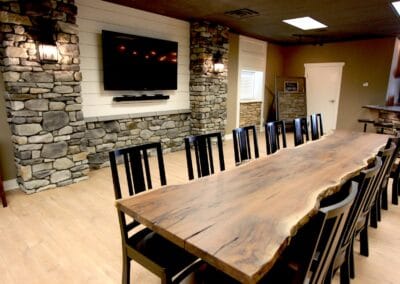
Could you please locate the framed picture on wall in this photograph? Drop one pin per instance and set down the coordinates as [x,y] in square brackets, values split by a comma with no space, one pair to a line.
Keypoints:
[290,86]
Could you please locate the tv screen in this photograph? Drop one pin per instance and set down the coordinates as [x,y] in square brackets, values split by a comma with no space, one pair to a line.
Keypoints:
[133,62]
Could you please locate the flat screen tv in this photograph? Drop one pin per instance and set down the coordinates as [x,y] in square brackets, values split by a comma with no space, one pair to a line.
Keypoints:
[132,62]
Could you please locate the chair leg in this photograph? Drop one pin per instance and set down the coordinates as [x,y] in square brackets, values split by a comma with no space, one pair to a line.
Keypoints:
[352,272]
[344,272]
[385,198]
[395,187]
[395,199]
[126,270]
[374,217]
[329,276]
[165,279]
[364,242]
[378,207]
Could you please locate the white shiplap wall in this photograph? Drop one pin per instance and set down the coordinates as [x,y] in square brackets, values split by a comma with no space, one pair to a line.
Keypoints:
[96,15]
[252,56]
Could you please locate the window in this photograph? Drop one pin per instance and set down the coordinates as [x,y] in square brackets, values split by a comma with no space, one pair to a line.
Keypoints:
[251,83]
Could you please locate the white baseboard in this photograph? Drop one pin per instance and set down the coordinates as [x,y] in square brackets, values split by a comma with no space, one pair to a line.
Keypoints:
[10,184]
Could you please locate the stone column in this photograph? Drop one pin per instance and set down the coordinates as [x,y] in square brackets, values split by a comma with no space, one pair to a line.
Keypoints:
[208,89]
[43,100]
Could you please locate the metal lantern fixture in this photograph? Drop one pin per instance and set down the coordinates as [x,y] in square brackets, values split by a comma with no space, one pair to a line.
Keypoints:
[218,63]
[48,53]
[45,36]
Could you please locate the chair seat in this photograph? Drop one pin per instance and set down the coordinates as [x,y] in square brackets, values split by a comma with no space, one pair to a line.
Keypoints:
[161,251]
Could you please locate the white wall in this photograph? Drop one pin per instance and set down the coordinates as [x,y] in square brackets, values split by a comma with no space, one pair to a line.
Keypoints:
[96,15]
[252,56]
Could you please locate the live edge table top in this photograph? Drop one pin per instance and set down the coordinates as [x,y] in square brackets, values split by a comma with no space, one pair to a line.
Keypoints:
[241,220]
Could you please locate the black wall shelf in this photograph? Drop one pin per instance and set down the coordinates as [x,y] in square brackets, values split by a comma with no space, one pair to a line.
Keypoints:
[140,98]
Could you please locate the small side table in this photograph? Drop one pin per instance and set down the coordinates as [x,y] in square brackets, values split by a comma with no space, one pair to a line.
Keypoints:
[2,193]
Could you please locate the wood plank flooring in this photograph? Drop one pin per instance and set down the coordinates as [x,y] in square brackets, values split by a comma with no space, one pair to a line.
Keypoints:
[71,234]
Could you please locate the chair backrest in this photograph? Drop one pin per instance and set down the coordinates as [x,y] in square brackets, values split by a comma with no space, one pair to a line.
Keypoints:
[300,130]
[138,178]
[365,182]
[386,155]
[330,222]
[273,131]
[241,143]
[202,145]
[393,142]
[137,168]
[316,126]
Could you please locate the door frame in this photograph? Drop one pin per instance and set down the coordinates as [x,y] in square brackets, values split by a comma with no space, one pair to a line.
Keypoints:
[326,64]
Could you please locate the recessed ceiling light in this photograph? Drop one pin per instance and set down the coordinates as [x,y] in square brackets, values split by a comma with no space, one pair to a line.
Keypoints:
[305,23]
[396,5]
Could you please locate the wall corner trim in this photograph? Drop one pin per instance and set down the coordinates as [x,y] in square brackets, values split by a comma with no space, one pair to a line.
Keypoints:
[10,184]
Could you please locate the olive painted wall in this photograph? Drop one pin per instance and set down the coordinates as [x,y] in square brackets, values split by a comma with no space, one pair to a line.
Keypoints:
[365,61]
[274,68]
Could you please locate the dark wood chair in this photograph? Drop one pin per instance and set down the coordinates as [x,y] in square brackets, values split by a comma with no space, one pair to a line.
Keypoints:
[360,210]
[241,143]
[2,193]
[332,219]
[388,156]
[202,145]
[171,263]
[316,126]
[388,173]
[311,251]
[273,131]
[300,129]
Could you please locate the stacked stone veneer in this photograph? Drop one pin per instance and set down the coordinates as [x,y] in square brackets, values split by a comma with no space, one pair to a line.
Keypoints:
[169,128]
[292,105]
[43,100]
[208,90]
[250,113]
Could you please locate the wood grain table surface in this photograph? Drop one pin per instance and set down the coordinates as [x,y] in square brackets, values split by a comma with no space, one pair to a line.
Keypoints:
[241,220]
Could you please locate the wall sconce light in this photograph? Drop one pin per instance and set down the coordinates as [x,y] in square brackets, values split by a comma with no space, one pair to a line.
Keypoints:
[48,53]
[218,63]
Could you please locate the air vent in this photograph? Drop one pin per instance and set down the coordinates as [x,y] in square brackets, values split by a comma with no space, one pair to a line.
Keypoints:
[242,13]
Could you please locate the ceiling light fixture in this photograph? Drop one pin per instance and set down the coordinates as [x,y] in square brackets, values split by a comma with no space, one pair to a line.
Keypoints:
[305,23]
[396,5]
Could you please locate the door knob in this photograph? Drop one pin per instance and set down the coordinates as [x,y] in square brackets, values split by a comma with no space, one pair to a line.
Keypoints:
[331,101]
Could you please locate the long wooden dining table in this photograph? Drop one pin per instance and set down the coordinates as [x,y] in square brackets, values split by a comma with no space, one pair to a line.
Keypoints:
[241,220]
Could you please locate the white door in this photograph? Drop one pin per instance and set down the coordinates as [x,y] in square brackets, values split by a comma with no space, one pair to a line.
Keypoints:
[323,81]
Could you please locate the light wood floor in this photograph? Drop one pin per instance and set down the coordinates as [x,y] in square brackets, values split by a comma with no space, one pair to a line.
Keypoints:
[71,234]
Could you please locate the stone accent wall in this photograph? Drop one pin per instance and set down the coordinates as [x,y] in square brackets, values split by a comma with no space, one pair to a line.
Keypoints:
[292,105]
[250,114]
[43,100]
[208,90]
[104,136]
